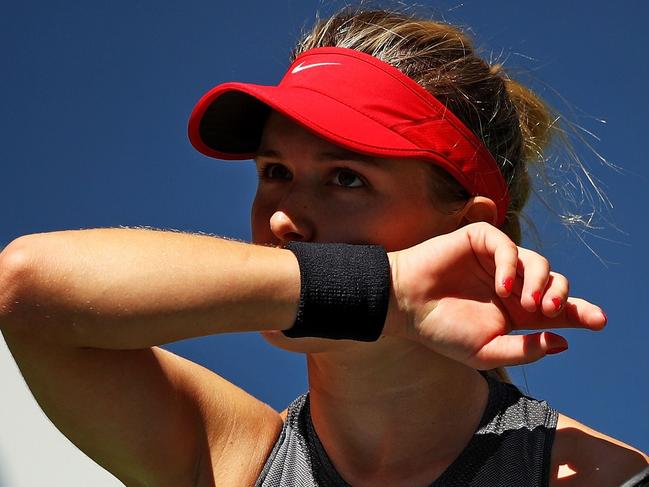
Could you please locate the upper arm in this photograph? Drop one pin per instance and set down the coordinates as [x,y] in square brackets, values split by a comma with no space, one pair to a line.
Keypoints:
[583,456]
[148,416]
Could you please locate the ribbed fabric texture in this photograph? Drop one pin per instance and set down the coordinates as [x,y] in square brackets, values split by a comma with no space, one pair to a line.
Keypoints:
[641,479]
[511,447]
[344,291]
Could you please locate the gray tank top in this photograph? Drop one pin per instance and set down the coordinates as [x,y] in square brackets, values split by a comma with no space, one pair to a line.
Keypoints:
[510,448]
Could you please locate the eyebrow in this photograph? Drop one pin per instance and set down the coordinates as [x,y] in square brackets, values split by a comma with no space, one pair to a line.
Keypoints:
[330,155]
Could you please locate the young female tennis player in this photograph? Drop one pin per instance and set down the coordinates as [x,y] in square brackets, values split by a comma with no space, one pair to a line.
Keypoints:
[387,133]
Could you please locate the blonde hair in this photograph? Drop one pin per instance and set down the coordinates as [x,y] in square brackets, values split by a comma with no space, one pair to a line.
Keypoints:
[513,123]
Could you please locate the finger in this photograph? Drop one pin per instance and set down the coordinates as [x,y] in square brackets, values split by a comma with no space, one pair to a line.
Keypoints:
[508,350]
[536,273]
[555,295]
[505,255]
[579,313]
[575,313]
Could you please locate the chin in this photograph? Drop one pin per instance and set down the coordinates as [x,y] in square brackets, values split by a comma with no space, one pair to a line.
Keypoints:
[306,345]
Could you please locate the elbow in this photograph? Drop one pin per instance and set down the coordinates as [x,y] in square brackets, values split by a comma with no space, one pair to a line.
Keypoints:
[16,269]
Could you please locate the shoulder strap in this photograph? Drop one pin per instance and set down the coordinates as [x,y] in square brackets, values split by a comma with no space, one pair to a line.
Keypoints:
[511,447]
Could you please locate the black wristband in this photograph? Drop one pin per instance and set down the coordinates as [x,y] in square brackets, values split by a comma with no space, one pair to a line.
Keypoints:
[344,291]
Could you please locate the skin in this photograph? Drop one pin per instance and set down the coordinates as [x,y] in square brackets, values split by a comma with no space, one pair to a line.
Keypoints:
[386,409]
[83,312]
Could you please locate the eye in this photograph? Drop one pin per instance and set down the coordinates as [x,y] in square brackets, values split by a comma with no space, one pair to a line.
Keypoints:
[348,179]
[275,171]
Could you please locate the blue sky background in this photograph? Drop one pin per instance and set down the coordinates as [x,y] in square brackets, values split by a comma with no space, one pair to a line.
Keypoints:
[94,100]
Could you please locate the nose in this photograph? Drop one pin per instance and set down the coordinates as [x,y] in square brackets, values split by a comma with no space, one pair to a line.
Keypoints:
[288,229]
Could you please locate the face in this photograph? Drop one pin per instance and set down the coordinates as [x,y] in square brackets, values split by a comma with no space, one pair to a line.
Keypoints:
[312,190]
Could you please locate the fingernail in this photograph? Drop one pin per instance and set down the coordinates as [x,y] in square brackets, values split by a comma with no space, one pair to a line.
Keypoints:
[552,351]
[508,284]
[536,295]
[557,303]
[605,317]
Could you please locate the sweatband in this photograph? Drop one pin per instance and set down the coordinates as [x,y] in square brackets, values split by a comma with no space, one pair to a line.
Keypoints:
[344,291]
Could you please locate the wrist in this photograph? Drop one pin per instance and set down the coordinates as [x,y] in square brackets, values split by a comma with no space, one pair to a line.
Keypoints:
[396,318]
[344,291]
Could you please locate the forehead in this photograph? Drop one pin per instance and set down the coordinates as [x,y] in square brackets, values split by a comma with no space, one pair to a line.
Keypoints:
[279,129]
[284,138]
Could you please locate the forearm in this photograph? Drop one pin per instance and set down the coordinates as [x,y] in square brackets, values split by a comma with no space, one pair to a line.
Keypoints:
[131,288]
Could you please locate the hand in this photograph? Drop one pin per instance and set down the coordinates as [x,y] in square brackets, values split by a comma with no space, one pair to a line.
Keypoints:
[462,293]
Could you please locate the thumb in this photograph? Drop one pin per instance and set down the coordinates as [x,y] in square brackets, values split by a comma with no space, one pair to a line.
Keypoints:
[518,349]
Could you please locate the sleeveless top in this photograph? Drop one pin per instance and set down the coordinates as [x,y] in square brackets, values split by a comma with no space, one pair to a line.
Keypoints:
[510,448]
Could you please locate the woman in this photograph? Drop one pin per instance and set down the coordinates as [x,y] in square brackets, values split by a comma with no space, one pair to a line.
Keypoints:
[408,409]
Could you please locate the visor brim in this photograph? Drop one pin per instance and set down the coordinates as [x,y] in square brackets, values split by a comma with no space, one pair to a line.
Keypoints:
[227,123]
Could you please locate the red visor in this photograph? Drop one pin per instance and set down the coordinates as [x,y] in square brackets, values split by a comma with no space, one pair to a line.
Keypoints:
[356,101]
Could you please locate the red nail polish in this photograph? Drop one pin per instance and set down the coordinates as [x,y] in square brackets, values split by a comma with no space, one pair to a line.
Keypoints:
[508,284]
[605,317]
[536,295]
[557,303]
[552,351]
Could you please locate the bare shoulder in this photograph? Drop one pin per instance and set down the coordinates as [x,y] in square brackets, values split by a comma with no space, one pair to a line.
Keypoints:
[284,414]
[239,429]
[583,456]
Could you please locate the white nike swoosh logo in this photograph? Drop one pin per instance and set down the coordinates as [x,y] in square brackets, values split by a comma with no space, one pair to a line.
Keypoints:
[302,66]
